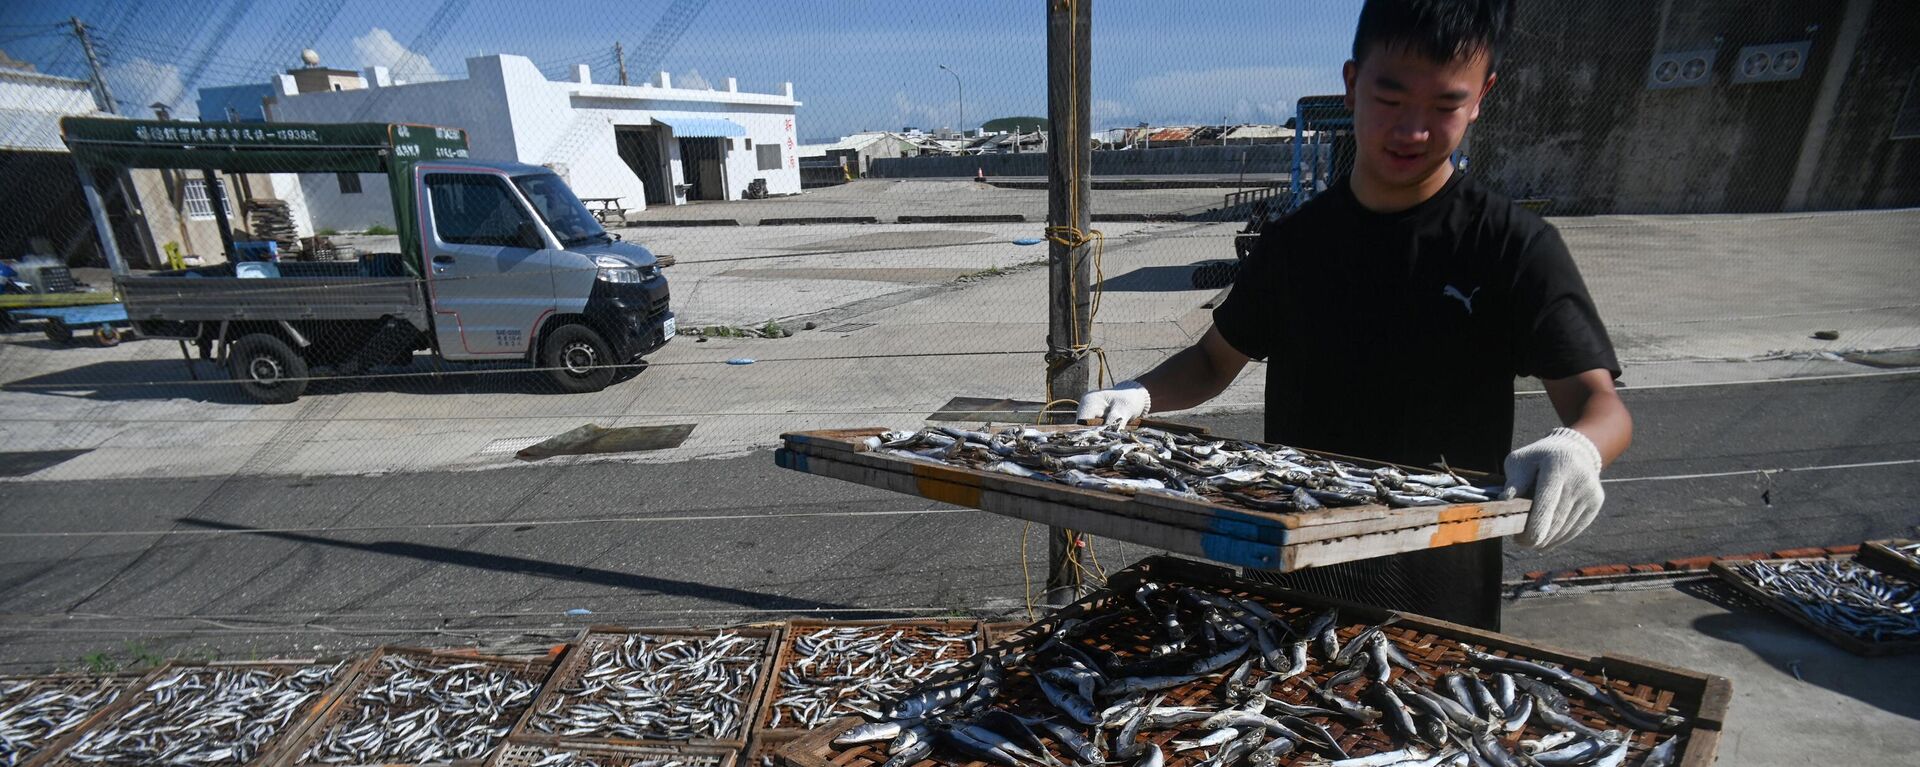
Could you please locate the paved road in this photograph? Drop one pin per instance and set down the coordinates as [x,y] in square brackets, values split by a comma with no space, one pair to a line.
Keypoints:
[349,562]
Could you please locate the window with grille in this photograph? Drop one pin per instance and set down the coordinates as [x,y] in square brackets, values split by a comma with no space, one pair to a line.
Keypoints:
[769,156]
[1906,124]
[194,199]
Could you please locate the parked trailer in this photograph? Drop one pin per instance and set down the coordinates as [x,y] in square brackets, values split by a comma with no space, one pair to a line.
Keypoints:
[496,261]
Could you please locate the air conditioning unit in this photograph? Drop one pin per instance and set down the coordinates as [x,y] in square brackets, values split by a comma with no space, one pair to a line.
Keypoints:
[1680,69]
[1771,63]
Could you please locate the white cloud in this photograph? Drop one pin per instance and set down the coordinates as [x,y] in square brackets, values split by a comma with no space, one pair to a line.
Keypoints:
[926,116]
[377,48]
[141,82]
[1238,94]
[692,80]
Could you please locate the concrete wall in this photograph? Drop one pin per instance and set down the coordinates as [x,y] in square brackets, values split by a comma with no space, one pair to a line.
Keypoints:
[1573,119]
[1213,160]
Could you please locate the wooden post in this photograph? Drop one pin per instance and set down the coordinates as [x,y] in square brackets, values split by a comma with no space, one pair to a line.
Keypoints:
[1069,311]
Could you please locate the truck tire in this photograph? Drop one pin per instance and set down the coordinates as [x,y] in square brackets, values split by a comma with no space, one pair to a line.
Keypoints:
[267,369]
[57,331]
[579,360]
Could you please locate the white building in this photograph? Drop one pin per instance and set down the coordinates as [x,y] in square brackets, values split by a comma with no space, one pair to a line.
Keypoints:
[646,144]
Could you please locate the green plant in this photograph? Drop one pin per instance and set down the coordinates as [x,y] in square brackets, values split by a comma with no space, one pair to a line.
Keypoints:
[99,663]
[771,329]
[379,229]
[140,656]
[719,331]
[327,232]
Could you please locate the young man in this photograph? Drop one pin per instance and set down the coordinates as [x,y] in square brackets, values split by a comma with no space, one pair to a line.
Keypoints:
[1395,309]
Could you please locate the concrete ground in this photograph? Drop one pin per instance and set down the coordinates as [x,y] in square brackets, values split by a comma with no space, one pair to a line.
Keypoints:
[1796,698]
[889,199]
[1691,300]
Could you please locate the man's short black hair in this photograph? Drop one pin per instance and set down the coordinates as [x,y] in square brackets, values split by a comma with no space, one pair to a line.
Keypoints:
[1441,30]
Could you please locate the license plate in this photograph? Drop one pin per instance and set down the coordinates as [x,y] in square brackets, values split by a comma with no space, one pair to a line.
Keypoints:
[668,327]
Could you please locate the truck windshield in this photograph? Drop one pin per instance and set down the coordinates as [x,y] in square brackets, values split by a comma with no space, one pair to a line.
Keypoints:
[562,211]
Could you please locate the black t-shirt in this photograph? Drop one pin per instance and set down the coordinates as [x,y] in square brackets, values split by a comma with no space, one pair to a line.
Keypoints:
[1397,336]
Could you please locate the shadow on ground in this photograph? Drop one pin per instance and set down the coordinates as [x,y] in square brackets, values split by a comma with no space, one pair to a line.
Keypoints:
[132,380]
[560,571]
[1154,279]
[1884,682]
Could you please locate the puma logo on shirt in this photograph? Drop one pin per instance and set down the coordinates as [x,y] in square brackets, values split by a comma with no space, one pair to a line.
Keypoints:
[1463,298]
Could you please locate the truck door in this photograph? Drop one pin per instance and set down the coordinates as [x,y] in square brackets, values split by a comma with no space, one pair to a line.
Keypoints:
[490,270]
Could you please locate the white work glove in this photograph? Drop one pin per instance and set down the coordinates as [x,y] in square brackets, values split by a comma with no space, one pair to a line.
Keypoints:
[1561,473]
[1117,406]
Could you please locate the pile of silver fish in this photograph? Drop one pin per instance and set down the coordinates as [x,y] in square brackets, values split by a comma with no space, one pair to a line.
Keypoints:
[417,712]
[845,670]
[205,715]
[1845,596]
[658,687]
[574,759]
[35,712]
[1131,461]
[1093,706]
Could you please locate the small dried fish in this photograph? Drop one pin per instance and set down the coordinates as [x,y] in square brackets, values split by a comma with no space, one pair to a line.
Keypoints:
[34,712]
[206,715]
[657,687]
[415,712]
[842,670]
[1843,595]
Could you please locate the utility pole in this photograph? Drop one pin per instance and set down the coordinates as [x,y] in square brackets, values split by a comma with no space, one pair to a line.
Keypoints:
[107,103]
[1069,187]
[620,58]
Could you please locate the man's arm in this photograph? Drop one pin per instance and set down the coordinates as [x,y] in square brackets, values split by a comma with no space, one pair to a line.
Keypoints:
[1195,374]
[1587,403]
[1192,376]
[1561,471]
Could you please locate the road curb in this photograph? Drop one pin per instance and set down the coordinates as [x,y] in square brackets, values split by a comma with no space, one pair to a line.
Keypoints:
[1697,564]
[991,218]
[688,222]
[802,220]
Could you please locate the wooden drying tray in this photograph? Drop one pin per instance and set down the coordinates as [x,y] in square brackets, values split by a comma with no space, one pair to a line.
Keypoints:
[1880,555]
[1702,698]
[1219,532]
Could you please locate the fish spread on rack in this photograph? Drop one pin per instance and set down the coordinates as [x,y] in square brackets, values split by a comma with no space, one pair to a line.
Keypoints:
[1132,461]
[657,687]
[842,670]
[563,758]
[205,715]
[1840,594]
[1097,705]
[425,711]
[35,712]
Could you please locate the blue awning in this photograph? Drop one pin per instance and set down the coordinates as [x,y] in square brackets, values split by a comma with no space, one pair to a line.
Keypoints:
[703,127]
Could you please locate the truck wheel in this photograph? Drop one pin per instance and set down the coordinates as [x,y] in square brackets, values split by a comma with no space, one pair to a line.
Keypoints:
[106,335]
[267,369]
[57,331]
[579,359]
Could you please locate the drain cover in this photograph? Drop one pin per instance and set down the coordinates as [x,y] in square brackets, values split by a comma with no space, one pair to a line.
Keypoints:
[591,439]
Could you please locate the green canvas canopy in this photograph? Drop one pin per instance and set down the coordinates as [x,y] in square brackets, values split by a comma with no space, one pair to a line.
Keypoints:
[392,149]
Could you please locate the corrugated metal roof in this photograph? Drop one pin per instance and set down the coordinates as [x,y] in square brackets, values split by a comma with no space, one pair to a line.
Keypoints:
[1171,134]
[1259,131]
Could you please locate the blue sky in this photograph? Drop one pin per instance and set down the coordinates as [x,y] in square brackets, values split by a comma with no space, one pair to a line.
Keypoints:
[855,64]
